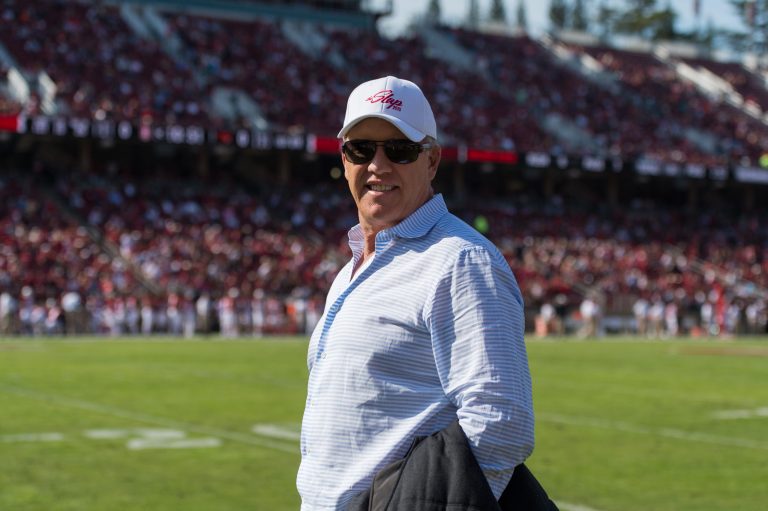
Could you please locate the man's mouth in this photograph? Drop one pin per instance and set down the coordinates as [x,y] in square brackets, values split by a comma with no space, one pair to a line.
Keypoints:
[380,188]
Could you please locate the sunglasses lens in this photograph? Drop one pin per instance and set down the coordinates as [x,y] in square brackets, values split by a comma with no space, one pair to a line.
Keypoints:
[401,151]
[359,151]
[398,151]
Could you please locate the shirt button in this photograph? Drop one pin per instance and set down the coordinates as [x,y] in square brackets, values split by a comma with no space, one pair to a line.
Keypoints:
[323,355]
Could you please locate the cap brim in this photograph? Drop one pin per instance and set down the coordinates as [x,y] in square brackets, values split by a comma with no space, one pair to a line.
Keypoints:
[407,130]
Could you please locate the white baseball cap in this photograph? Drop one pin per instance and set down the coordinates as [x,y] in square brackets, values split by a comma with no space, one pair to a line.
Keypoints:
[395,100]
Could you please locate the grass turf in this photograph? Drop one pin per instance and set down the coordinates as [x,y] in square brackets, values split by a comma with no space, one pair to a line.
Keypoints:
[621,424]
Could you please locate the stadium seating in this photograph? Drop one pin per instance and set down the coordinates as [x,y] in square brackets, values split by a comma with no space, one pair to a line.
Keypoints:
[509,102]
[746,83]
[123,249]
[128,77]
[515,92]
[210,238]
[645,251]
[678,106]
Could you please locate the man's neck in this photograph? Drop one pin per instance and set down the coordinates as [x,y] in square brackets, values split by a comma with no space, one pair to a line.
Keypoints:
[369,247]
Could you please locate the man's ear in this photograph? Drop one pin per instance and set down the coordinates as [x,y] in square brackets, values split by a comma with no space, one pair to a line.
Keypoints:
[434,160]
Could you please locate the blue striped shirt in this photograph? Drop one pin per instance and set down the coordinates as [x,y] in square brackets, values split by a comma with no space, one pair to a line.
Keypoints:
[430,330]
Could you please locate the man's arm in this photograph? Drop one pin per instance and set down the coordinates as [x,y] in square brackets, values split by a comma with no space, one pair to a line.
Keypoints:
[476,322]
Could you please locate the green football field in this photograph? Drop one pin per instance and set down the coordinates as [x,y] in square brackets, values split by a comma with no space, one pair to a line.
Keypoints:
[208,425]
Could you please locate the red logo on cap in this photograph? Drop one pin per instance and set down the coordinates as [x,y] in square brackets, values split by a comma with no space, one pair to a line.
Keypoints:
[386,96]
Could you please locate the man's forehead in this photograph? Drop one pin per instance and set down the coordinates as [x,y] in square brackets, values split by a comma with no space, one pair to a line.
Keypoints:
[375,128]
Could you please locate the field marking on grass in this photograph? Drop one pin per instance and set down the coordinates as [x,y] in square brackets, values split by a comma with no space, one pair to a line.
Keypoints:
[137,444]
[567,506]
[646,392]
[138,438]
[111,434]
[107,434]
[678,434]
[755,413]
[32,437]
[80,404]
[276,431]
[152,438]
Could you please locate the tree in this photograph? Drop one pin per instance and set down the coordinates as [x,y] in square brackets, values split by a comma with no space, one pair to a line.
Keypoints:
[473,14]
[579,16]
[498,14]
[708,36]
[433,12]
[606,17]
[663,22]
[644,18]
[522,15]
[558,14]
[754,16]
[634,18]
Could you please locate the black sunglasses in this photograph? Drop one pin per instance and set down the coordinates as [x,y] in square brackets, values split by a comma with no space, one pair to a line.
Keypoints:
[398,151]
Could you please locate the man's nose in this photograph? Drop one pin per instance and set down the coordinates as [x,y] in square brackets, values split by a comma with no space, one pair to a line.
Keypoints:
[380,163]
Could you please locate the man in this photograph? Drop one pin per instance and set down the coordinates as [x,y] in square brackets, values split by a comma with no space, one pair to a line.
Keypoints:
[422,327]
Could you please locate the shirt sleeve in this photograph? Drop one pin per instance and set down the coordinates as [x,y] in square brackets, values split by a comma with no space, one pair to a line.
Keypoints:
[476,322]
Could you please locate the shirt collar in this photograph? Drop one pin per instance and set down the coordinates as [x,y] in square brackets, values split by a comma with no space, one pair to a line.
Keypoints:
[416,225]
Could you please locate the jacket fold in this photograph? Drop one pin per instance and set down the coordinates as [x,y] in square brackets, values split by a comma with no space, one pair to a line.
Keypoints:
[440,473]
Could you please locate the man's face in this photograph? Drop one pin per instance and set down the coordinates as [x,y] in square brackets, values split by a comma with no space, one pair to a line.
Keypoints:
[385,192]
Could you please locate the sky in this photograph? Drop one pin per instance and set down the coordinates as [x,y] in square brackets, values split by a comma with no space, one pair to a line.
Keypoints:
[719,12]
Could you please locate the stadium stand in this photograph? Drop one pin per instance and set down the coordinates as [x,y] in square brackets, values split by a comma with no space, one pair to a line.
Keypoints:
[128,77]
[523,96]
[743,81]
[211,239]
[677,100]
[189,238]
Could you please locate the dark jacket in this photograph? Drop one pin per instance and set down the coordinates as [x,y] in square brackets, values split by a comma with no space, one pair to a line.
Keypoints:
[440,473]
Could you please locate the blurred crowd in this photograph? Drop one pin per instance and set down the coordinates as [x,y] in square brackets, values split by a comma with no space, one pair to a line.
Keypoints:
[644,268]
[120,250]
[127,253]
[518,96]
[123,251]
[100,67]
[678,112]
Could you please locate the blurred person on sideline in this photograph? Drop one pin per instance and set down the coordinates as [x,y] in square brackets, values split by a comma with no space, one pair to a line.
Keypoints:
[422,330]
[656,318]
[71,303]
[640,312]
[547,321]
[671,321]
[590,317]
[8,317]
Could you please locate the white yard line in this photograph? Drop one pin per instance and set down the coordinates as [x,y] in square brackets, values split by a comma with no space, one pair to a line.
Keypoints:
[755,413]
[567,506]
[138,444]
[80,404]
[106,434]
[32,437]
[678,434]
[276,431]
